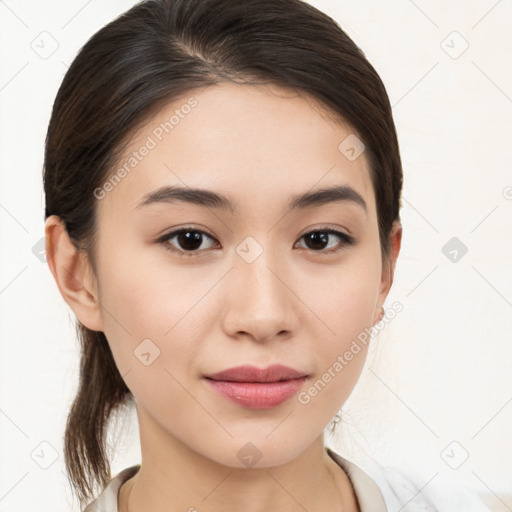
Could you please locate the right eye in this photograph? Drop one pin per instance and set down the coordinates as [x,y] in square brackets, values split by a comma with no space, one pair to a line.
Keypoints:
[188,241]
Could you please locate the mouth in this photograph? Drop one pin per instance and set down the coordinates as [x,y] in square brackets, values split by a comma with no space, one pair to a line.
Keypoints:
[248,373]
[255,388]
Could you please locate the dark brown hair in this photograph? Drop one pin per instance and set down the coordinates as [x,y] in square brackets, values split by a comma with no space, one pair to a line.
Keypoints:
[153,54]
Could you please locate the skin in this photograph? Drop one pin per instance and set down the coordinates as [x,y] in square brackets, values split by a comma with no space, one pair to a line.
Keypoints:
[259,145]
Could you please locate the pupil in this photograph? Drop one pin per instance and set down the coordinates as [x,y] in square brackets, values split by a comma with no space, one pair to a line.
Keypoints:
[190,242]
[317,238]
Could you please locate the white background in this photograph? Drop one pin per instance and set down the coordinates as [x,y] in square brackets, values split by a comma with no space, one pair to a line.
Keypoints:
[439,388]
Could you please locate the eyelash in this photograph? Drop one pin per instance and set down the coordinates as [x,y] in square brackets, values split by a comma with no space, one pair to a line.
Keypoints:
[346,240]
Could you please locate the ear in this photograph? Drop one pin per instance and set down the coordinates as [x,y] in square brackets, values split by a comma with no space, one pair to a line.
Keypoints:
[388,269]
[73,274]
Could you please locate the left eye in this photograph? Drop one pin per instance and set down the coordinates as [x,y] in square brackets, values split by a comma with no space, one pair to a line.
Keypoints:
[321,237]
[190,241]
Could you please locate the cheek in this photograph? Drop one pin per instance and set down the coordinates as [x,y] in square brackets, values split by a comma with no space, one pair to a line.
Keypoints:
[132,306]
[329,390]
[155,318]
[148,328]
[342,304]
[342,299]
[141,297]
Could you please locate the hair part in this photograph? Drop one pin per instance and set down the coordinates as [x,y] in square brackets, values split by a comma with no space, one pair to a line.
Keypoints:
[156,53]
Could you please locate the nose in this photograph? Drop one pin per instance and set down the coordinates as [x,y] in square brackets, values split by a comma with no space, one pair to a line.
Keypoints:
[259,302]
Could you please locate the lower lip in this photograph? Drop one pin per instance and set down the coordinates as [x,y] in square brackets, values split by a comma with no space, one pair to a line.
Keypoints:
[258,395]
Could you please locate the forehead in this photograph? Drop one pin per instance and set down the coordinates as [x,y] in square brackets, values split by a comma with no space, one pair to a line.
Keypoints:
[249,142]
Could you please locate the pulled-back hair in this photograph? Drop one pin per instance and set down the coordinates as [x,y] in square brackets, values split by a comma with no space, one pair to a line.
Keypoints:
[155,53]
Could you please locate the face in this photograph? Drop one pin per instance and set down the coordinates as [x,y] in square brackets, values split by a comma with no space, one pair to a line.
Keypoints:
[267,280]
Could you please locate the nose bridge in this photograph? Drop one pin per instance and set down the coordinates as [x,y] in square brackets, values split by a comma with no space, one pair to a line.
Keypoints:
[260,303]
[257,267]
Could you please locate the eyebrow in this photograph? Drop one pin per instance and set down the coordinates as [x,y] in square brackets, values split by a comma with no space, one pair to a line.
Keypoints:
[210,199]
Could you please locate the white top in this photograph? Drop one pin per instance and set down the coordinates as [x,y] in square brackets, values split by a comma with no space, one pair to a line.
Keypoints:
[387,491]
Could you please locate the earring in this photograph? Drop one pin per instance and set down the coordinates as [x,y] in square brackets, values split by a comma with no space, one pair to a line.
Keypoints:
[334,423]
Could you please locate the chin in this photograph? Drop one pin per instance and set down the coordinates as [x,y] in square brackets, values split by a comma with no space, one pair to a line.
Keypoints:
[259,453]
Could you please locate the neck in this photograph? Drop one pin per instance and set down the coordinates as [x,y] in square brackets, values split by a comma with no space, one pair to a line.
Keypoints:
[176,478]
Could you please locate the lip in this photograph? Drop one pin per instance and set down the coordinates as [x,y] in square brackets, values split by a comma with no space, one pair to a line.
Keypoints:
[257,388]
[249,373]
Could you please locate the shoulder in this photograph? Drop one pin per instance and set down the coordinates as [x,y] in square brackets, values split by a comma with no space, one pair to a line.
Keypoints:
[400,492]
[107,500]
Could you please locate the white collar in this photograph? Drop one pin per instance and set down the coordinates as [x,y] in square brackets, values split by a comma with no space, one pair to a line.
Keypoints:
[368,494]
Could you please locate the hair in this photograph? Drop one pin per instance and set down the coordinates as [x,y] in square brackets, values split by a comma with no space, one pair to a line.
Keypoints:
[153,54]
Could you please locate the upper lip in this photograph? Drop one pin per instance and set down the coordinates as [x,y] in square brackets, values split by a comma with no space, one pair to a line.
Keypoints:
[248,373]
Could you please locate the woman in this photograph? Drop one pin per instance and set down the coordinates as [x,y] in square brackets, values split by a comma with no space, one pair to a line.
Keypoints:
[222,187]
